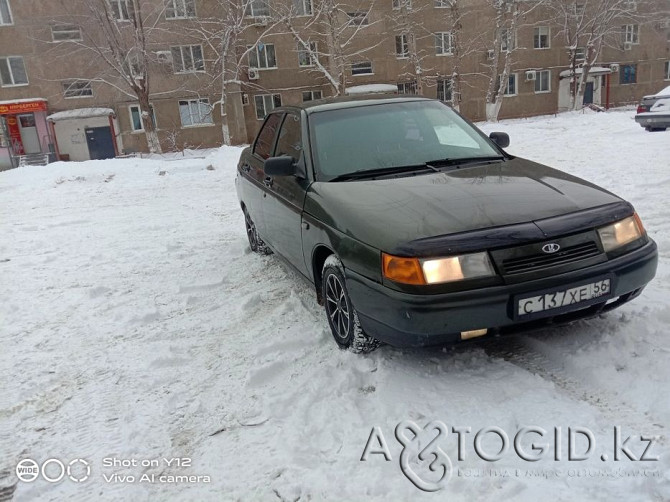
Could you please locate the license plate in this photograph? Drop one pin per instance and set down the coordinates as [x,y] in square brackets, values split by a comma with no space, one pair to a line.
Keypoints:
[563,298]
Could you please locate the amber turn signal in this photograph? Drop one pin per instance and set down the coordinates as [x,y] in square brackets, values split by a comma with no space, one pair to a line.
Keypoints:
[402,269]
[640,226]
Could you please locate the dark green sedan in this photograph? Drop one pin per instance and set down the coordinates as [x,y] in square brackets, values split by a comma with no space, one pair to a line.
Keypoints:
[417,229]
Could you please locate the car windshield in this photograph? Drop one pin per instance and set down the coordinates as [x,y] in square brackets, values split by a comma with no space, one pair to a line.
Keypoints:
[392,135]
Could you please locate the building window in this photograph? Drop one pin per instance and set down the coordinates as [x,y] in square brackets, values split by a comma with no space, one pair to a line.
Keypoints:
[445,90]
[311,95]
[303,7]
[402,46]
[257,8]
[402,3]
[507,40]
[136,119]
[77,89]
[132,66]
[262,56]
[666,73]
[444,42]
[580,54]
[306,55]
[179,9]
[628,74]
[122,10]
[195,112]
[265,103]
[541,37]
[443,4]
[362,68]
[631,33]
[510,87]
[5,13]
[13,71]
[543,81]
[579,9]
[187,58]
[358,18]
[62,32]
[407,87]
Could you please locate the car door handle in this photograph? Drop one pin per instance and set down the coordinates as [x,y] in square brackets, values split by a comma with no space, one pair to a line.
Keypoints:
[268,181]
[246,168]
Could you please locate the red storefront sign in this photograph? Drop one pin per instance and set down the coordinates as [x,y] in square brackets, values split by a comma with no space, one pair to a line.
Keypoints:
[23,107]
[15,135]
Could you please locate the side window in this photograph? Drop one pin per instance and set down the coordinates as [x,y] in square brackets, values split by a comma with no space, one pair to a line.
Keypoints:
[290,138]
[266,138]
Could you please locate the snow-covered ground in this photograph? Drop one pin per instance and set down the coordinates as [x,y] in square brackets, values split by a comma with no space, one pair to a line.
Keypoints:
[135,324]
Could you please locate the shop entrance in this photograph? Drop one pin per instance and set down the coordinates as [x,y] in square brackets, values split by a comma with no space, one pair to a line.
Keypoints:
[29,136]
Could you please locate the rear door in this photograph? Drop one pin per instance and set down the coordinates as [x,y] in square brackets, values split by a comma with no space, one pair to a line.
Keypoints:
[283,205]
[255,186]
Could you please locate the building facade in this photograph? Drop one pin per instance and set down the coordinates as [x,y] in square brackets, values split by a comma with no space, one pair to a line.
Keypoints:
[65,94]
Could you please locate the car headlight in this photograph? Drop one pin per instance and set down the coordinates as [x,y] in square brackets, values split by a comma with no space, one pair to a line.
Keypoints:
[436,270]
[621,233]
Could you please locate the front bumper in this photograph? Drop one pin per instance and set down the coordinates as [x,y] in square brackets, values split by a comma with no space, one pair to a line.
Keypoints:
[407,320]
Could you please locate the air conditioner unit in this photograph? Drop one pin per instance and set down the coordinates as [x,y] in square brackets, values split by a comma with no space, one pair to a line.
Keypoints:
[490,54]
[531,75]
[253,74]
[614,67]
[627,46]
[164,57]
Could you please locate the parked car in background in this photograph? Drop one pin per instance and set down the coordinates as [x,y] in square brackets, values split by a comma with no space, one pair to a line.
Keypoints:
[416,229]
[657,118]
[653,112]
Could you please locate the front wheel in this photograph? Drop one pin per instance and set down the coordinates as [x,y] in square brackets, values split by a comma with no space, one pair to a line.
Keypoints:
[342,316]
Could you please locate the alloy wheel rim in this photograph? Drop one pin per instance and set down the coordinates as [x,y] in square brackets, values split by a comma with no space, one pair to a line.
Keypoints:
[337,306]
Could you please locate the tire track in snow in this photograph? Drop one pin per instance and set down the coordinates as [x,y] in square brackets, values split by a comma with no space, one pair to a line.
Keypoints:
[523,353]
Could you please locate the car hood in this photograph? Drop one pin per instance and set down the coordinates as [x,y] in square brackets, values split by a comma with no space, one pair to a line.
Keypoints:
[387,213]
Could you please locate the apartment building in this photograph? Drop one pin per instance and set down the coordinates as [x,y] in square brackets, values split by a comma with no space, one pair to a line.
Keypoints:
[63,94]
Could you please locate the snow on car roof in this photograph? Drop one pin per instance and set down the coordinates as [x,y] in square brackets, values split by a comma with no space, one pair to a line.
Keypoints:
[663,92]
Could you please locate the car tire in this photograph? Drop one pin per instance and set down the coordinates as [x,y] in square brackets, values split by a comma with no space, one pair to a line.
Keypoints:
[340,312]
[256,244]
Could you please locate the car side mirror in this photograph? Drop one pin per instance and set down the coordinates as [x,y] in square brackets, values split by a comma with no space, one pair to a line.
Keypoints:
[500,138]
[280,166]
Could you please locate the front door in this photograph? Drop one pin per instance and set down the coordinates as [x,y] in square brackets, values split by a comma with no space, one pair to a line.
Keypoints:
[29,136]
[100,143]
[254,184]
[284,204]
[588,93]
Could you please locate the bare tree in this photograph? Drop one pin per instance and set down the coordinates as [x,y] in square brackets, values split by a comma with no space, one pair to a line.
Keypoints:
[339,27]
[408,31]
[588,26]
[115,41]
[509,16]
[231,31]
[458,44]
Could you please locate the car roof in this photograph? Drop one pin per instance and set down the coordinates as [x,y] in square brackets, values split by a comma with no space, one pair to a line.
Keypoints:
[662,93]
[341,102]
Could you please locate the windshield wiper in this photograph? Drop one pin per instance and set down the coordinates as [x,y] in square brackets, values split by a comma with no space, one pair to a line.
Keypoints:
[465,160]
[384,171]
